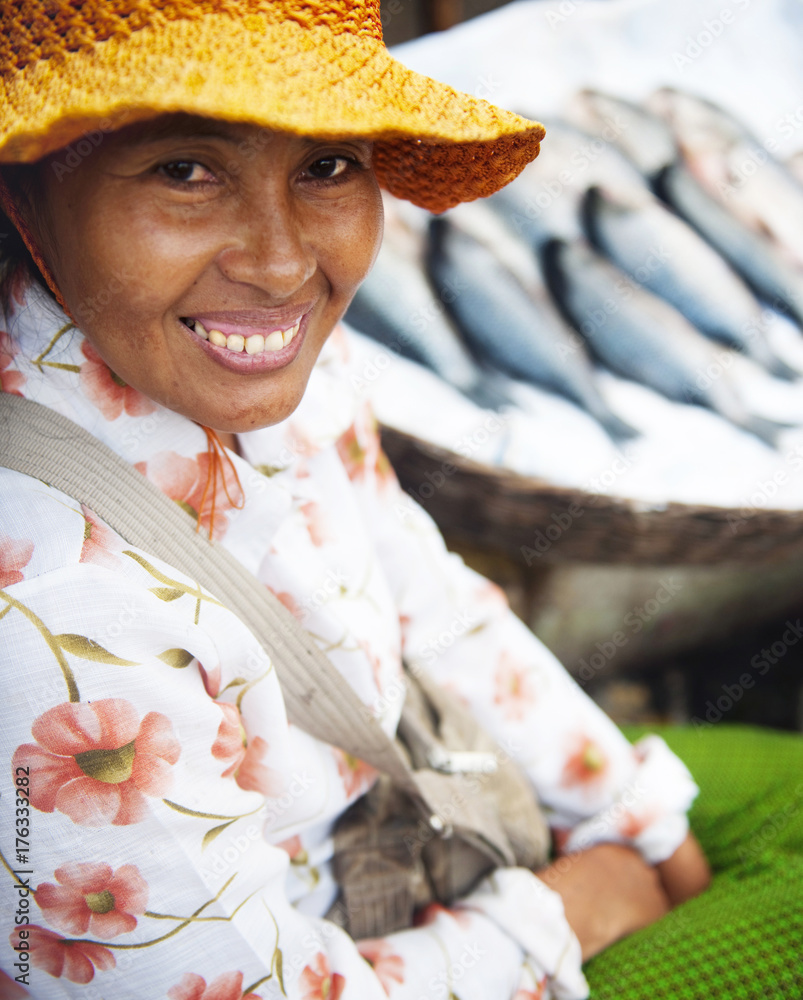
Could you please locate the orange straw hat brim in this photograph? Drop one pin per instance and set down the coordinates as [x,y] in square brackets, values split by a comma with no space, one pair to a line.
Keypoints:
[434,146]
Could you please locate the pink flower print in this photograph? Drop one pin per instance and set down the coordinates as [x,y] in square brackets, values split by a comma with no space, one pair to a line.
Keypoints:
[96,762]
[586,766]
[431,913]
[9,990]
[75,960]
[630,825]
[389,968]
[292,605]
[294,847]
[359,449]
[243,757]
[92,897]
[108,391]
[514,687]
[10,381]
[316,523]
[317,981]
[357,776]
[15,554]
[184,480]
[352,453]
[535,994]
[211,680]
[100,542]
[229,986]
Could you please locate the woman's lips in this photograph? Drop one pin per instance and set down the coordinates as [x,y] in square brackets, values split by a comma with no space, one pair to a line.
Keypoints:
[238,338]
[251,346]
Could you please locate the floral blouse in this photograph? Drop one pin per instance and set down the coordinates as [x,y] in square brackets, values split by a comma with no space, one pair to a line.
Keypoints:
[164,831]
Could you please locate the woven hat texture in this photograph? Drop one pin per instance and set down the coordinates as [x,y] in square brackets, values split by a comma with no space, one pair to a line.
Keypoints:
[319,67]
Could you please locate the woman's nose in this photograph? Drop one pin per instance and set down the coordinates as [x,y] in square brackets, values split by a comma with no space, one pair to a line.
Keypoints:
[270,250]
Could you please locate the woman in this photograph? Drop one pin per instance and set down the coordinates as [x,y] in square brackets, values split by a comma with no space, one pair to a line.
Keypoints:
[197,186]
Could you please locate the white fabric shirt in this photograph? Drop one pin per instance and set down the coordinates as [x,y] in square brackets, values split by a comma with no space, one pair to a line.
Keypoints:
[171,833]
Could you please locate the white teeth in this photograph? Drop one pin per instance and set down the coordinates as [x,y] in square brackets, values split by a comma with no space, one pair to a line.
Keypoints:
[255,344]
[288,335]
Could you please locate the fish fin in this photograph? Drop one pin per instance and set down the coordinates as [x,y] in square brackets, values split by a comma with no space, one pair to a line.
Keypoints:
[616,428]
[491,393]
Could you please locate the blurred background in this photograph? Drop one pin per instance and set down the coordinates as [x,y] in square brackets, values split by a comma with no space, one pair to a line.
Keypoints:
[593,381]
[406,19]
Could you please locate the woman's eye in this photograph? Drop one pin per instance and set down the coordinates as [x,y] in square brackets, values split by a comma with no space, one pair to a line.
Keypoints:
[329,167]
[184,171]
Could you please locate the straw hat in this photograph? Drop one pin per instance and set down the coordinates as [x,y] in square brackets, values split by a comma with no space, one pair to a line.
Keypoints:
[315,67]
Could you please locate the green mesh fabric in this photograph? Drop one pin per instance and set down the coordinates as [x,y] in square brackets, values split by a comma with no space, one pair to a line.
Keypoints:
[743,938]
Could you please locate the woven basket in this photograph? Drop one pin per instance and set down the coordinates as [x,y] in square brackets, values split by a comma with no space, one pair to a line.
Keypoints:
[526,518]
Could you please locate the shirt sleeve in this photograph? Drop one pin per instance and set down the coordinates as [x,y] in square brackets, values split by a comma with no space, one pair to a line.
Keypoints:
[457,625]
[149,776]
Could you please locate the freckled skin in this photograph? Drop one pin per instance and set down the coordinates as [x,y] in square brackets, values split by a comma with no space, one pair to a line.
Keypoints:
[181,216]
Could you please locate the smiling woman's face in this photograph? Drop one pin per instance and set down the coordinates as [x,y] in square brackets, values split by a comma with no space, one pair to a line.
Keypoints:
[208,262]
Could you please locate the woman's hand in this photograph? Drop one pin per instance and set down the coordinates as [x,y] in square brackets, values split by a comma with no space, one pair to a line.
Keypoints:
[608,892]
[685,873]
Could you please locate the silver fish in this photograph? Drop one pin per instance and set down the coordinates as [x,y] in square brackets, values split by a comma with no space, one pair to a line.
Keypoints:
[396,306]
[736,168]
[668,257]
[757,258]
[544,200]
[638,335]
[650,143]
[509,327]
[644,138]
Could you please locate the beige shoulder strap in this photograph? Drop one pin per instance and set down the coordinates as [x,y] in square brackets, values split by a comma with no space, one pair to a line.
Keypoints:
[40,443]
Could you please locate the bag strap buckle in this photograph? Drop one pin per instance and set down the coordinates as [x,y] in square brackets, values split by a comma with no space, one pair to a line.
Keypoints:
[461,761]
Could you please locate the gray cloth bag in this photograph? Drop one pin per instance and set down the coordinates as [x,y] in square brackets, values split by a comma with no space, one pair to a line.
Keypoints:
[450,804]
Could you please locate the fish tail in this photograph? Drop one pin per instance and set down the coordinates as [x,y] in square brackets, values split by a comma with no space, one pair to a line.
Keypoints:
[616,428]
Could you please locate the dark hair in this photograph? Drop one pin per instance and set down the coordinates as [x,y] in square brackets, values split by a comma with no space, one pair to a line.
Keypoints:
[15,258]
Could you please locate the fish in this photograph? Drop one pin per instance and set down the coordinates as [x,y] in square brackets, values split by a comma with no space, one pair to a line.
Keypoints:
[735,168]
[641,337]
[543,202]
[768,271]
[665,255]
[396,306]
[643,137]
[508,326]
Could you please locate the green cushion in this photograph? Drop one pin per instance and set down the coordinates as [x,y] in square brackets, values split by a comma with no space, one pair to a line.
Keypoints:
[743,938]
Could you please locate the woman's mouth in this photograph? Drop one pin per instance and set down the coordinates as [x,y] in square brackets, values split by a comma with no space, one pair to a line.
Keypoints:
[252,344]
[247,342]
